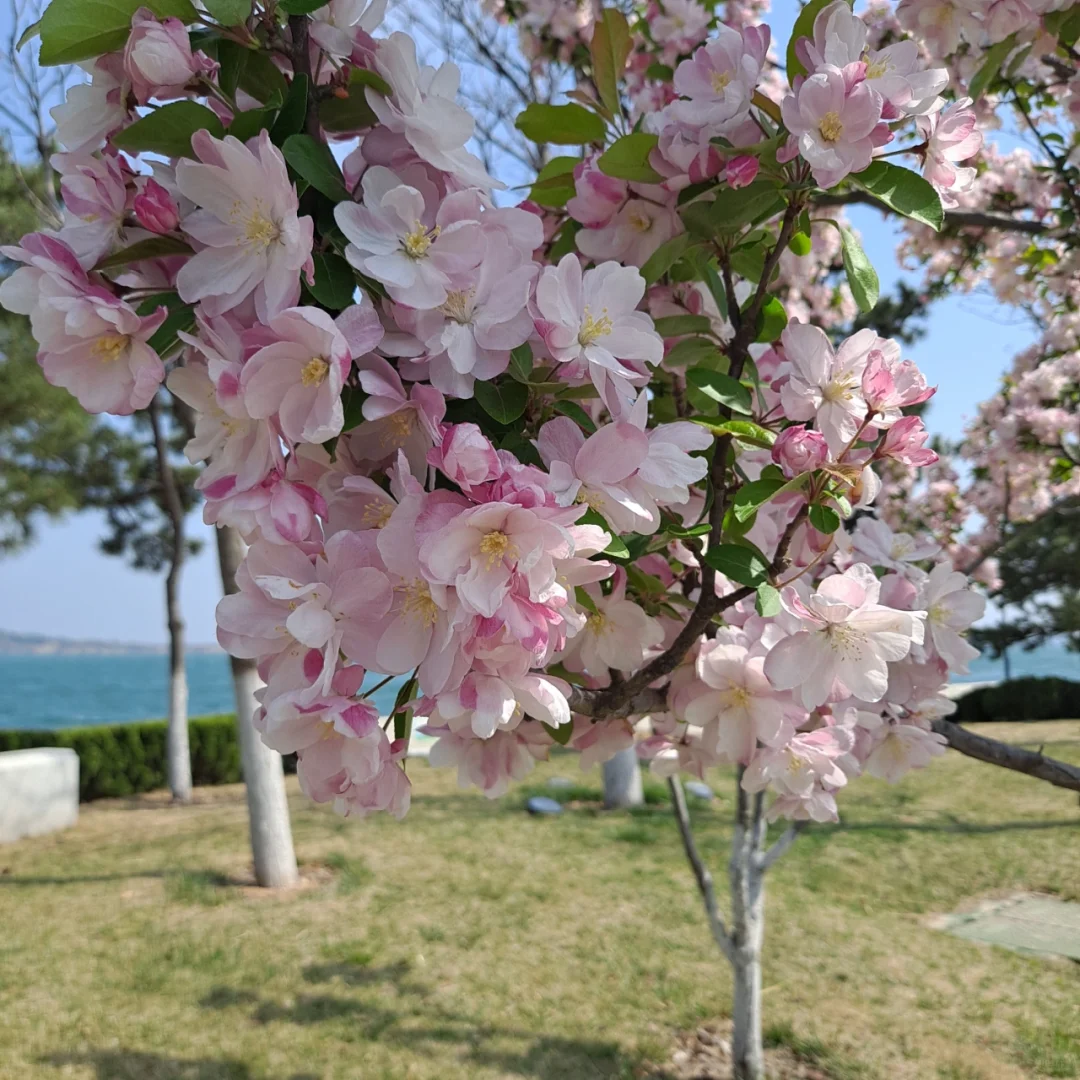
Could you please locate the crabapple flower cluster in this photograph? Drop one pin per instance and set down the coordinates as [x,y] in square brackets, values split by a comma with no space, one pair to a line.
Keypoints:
[513,456]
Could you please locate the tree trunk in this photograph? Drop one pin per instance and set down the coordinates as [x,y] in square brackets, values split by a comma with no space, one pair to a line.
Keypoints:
[177,751]
[747,932]
[622,780]
[264,778]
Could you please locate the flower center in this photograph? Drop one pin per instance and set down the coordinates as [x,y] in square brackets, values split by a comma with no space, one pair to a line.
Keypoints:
[597,623]
[639,220]
[417,242]
[875,69]
[260,230]
[314,372]
[496,546]
[109,347]
[839,390]
[376,515]
[458,306]
[845,640]
[830,126]
[720,80]
[418,602]
[592,328]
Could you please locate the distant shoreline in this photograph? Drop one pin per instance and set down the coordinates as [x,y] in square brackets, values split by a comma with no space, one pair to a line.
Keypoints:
[12,644]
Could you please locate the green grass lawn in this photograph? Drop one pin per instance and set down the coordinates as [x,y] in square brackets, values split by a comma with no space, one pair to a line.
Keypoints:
[473,941]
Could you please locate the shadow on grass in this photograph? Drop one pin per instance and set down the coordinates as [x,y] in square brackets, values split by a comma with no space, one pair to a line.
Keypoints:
[138,1065]
[14,881]
[949,825]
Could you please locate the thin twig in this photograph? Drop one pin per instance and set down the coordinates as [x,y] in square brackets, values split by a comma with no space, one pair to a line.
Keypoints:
[780,847]
[701,873]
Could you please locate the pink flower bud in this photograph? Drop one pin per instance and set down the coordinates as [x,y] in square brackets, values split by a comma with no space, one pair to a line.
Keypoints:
[741,171]
[798,450]
[466,457]
[158,58]
[904,442]
[889,386]
[156,209]
[598,196]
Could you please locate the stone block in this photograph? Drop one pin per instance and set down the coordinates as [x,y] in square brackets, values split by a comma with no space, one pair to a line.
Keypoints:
[39,792]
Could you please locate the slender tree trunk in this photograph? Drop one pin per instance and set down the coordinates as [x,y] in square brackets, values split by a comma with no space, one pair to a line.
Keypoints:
[622,780]
[747,933]
[177,751]
[264,778]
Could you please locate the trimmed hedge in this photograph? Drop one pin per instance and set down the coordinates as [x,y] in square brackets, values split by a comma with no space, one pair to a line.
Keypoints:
[124,759]
[1021,699]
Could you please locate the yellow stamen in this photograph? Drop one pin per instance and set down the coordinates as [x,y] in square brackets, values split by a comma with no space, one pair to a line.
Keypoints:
[639,220]
[720,80]
[376,515]
[830,126]
[877,68]
[597,623]
[418,602]
[260,229]
[314,371]
[109,347]
[458,306]
[496,546]
[417,242]
[592,328]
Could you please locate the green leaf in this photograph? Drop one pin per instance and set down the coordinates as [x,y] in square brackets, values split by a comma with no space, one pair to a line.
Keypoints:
[521,362]
[751,497]
[352,399]
[904,191]
[861,275]
[800,244]
[150,304]
[680,532]
[73,30]
[576,413]
[628,158]
[247,124]
[335,283]
[733,208]
[767,601]
[771,321]
[164,340]
[260,77]
[155,247]
[739,562]
[744,430]
[28,34]
[803,28]
[824,519]
[168,130]
[561,734]
[313,161]
[564,125]
[720,387]
[403,716]
[353,113]
[609,50]
[554,184]
[503,401]
[693,350]
[563,242]
[665,257]
[659,72]
[616,549]
[300,7]
[987,74]
[293,114]
[676,325]
[228,12]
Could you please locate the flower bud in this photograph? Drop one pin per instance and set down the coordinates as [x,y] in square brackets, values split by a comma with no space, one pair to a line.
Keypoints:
[904,442]
[158,58]
[798,450]
[741,171]
[466,456]
[156,209]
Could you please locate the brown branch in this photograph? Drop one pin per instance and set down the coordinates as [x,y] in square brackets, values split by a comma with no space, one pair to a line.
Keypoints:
[301,60]
[975,219]
[704,878]
[1032,762]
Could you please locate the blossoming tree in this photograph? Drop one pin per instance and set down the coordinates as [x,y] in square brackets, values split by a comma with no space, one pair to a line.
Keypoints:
[569,467]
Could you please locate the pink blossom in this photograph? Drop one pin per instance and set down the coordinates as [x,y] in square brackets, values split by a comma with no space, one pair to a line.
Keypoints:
[155,209]
[632,235]
[951,136]
[720,78]
[799,450]
[951,607]
[92,111]
[739,707]
[253,242]
[899,748]
[741,171]
[598,196]
[904,442]
[889,385]
[618,634]
[298,377]
[490,764]
[876,542]
[680,25]
[847,641]
[591,320]
[94,191]
[158,60]
[832,115]
[334,27]
[466,457]
[805,774]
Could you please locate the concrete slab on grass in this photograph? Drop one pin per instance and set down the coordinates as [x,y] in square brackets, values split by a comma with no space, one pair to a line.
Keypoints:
[1027,922]
[39,792]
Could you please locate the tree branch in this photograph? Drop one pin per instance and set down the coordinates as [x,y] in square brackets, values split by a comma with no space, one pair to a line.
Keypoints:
[780,848]
[993,752]
[704,878]
[301,59]
[975,219]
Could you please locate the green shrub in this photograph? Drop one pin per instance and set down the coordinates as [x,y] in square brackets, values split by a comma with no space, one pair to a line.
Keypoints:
[1021,699]
[124,759]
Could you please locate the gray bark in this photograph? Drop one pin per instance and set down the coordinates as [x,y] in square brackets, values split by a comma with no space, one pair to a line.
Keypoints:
[622,780]
[177,750]
[264,778]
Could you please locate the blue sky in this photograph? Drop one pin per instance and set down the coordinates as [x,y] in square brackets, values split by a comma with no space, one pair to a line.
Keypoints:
[64,586]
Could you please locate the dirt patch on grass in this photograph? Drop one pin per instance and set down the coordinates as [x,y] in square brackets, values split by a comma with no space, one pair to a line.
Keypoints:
[705,1054]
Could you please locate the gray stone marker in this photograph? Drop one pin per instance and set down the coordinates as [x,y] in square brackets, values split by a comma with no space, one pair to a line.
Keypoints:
[1027,922]
[39,791]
